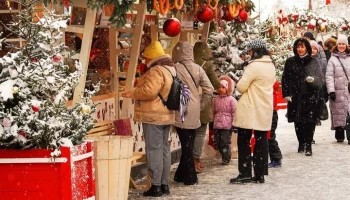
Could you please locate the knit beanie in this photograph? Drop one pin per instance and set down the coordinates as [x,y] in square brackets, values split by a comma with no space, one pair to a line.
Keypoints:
[256,44]
[313,43]
[224,83]
[342,39]
[154,50]
[309,35]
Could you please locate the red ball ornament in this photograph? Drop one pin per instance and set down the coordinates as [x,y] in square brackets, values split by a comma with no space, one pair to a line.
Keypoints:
[57,59]
[227,15]
[172,27]
[295,15]
[242,16]
[311,26]
[205,14]
[22,133]
[35,109]
[34,60]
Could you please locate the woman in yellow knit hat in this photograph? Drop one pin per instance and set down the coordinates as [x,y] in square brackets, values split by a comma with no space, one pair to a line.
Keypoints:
[154,116]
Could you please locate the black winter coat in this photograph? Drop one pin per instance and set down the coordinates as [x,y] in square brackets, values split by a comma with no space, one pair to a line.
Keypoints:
[305,96]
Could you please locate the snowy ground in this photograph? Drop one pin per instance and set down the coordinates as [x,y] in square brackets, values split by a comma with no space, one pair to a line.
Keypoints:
[324,176]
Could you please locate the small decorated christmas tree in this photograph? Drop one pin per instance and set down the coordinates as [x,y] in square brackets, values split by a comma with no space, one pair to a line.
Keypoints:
[35,83]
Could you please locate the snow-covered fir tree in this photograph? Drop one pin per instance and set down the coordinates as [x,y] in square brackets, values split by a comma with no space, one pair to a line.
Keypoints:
[228,46]
[35,83]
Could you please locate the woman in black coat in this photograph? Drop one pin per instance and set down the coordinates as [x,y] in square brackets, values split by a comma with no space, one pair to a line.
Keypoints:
[301,82]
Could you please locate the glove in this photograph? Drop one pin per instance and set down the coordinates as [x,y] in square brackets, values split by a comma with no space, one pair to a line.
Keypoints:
[332,96]
[288,98]
[310,79]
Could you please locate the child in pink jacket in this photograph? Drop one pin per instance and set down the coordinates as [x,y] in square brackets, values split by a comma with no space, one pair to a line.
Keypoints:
[224,108]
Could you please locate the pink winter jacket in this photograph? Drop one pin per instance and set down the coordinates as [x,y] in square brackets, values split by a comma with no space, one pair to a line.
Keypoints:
[224,108]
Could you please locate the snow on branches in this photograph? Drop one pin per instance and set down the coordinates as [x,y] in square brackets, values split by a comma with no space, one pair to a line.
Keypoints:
[35,83]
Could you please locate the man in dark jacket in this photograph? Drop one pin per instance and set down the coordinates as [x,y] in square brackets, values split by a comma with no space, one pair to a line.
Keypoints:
[202,56]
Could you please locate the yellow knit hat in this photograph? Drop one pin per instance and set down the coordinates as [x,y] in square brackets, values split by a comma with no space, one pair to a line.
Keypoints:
[153,51]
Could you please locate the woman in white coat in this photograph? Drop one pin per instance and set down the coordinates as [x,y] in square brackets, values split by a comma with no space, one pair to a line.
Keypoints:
[254,112]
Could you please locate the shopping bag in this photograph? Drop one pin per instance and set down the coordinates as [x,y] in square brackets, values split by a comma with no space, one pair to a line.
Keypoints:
[123,127]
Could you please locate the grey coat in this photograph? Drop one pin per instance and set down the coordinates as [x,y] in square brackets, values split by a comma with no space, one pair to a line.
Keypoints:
[201,96]
[337,82]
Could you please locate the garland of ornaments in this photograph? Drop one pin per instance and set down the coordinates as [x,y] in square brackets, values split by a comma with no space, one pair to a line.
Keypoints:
[308,20]
[205,11]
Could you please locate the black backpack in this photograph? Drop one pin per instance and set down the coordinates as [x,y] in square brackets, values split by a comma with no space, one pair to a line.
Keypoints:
[174,98]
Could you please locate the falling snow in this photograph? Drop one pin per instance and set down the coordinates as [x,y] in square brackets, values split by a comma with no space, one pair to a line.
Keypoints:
[324,176]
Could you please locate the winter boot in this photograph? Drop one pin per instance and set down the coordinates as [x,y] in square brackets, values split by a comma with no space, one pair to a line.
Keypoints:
[258,179]
[275,163]
[241,179]
[165,189]
[308,150]
[301,148]
[154,191]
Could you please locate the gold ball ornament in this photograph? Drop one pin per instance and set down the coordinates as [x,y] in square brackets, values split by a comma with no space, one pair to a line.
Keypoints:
[15,90]
[85,109]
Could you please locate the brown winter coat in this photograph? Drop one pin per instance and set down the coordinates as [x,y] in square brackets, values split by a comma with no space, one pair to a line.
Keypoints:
[202,57]
[255,107]
[148,106]
[183,57]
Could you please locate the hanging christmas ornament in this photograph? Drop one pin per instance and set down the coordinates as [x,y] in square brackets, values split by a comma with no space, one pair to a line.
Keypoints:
[344,27]
[323,26]
[205,14]
[86,109]
[319,21]
[57,58]
[312,24]
[172,27]
[35,105]
[242,16]
[15,90]
[6,122]
[295,16]
[227,15]
[35,109]
[22,133]
[34,60]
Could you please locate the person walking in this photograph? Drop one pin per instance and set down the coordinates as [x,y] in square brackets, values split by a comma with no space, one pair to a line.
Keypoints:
[274,150]
[224,108]
[196,79]
[154,116]
[337,80]
[254,112]
[301,83]
[202,56]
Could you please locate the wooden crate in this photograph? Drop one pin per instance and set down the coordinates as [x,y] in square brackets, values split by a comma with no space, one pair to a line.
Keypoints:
[34,175]
[113,164]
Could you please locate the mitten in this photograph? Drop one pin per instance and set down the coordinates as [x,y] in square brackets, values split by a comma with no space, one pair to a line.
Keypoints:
[332,96]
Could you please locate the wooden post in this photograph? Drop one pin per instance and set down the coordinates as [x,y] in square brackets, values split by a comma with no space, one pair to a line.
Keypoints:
[88,31]
[134,54]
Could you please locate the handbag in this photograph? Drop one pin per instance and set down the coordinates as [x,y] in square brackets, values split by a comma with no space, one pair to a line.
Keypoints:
[322,111]
[345,74]
[122,127]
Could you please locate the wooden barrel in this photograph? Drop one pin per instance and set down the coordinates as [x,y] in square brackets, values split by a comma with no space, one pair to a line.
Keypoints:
[112,156]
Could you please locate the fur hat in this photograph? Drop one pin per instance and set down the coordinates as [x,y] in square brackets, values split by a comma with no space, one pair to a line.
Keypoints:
[153,51]
[226,80]
[313,43]
[256,44]
[309,35]
[342,39]
[330,42]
